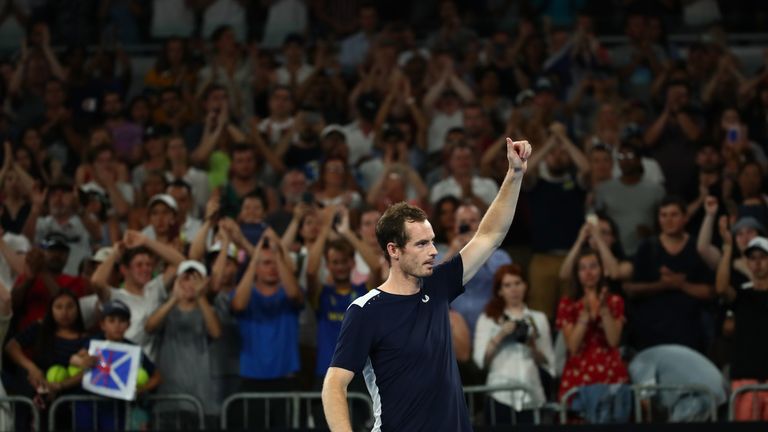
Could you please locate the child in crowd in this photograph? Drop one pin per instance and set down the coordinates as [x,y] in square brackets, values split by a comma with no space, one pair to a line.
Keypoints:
[115,320]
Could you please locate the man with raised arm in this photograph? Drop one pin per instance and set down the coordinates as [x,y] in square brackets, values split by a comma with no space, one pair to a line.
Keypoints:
[398,335]
[141,292]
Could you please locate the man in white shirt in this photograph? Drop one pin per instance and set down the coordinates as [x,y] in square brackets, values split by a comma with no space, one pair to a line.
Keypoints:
[280,118]
[294,70]
[462,181]
[141,292]
[121,194]
[162,212]
[63,219]
[181,192]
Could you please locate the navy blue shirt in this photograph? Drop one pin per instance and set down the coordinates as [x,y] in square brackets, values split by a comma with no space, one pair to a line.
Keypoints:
[402,345]
[557,213]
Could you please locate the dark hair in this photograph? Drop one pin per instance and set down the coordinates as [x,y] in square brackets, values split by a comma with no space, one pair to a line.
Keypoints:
[155,173]
[349,180]
[241,148]
[495,307]
[219,32]
[44,345]
[391,225]
[137,100]
[673,200]
[179,183]
[341,245]
[617,248]
[278,87]
[356,215]
[112,92]
[257,194]
[171,89]
[577,291]
[473,105]
[130,254]
[99,149]
[210,89]
[441,236]
[677,83]
[163,63]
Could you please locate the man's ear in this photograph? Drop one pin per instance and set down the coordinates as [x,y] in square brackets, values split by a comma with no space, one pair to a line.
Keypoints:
[393,251]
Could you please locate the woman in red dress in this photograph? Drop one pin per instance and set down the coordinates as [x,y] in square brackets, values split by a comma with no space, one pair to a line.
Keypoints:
[591,322]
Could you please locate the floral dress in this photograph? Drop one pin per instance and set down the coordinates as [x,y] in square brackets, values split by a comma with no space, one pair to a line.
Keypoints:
[596,362]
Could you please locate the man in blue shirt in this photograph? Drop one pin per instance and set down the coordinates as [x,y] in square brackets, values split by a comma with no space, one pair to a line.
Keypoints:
[398,336]
[336,243]
[266,304]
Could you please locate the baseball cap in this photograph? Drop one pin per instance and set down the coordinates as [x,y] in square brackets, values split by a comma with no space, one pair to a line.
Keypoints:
[748,222]
[544,84]
[757,243]
[116,308]
[190,265]
[231,252]
[523,96]
[333,128]
[55,240]
[156,131]
[165,199]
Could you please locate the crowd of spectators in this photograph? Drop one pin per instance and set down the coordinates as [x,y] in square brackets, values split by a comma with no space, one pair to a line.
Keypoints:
[218,208]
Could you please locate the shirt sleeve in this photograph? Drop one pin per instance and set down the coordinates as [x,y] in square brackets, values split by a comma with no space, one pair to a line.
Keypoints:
[544,341]
[27,336]
[485,329]
[355,341]
[447,279]
[147,364]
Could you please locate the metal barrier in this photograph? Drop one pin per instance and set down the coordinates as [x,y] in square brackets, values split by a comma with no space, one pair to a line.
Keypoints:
[8,412]
[638,389]
[84,407]
[292,406]
[471,391]
[564,404]
[691,388]
[738,392]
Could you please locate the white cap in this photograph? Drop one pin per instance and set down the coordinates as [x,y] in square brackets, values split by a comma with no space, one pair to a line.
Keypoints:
[188,265]
[333,128]
[757,243]
[102,254]
[165,199]
[216,248]
[16,242]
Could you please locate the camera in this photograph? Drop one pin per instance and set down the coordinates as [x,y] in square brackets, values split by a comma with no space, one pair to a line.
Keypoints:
[522,330]
[464,228]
